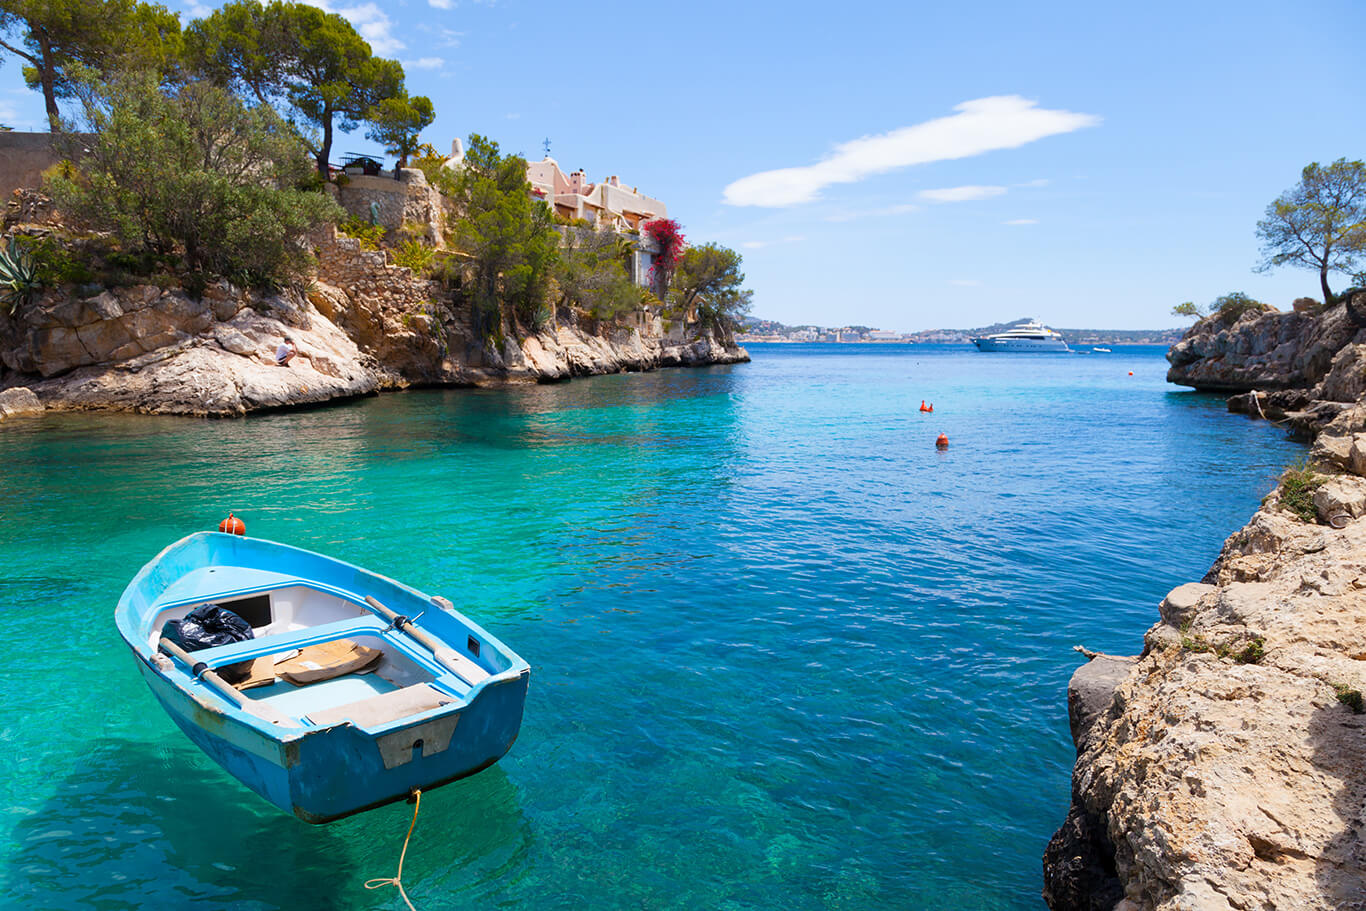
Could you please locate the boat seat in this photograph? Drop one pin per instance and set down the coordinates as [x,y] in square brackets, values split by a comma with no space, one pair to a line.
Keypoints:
[248,649]
[384,708]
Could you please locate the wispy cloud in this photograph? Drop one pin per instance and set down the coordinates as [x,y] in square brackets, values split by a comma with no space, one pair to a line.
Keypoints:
[450,38]
[902,209]
[1040,182]
[964,282]
[760,244]
[961,194]
[513,116]
[424,63]
[373,24]
[981,125]
[1021,221]
[442,4]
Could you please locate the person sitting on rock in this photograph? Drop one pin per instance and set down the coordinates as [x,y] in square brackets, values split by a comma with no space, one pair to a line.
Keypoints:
[285,353]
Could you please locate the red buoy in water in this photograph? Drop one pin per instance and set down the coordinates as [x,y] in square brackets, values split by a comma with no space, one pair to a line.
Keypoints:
[942,442]
[922,405]
[931,408]
[232,526]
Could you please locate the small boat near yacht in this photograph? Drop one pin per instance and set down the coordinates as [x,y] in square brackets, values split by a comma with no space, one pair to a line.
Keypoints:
[1101,350]
[352,691]
[1028,336]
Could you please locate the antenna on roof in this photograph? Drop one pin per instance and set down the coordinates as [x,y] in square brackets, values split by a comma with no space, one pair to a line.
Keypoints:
[546,144]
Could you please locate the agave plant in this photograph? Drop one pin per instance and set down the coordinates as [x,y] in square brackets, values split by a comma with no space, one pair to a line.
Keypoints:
[18,277]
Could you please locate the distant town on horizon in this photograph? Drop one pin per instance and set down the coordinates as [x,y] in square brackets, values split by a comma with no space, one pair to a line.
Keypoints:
[764,330]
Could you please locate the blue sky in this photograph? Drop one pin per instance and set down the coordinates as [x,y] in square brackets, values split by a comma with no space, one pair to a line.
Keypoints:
[943,165]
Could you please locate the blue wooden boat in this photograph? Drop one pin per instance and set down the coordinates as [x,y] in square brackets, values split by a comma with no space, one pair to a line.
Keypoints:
[443,700]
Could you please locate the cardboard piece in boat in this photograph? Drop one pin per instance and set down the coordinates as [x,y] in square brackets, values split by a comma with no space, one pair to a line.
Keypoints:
[327,660]
[262,673]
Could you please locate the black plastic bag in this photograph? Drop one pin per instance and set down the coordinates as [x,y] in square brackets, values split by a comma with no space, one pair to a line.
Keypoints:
[209,625]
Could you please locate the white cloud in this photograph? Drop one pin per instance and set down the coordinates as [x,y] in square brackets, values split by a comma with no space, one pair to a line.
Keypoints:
[902,209]
[961,194]
[450,37]
[424,63]
[965,282]
[981,125]
[442,4]
[514,116]
[1040,182]
[758,244]
[371,22]
[1021,221]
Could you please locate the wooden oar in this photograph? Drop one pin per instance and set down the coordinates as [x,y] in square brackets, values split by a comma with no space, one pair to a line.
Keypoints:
[448,657]
[210,676]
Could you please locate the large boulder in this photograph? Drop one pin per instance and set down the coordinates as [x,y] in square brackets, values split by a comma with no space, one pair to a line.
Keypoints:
[18,402]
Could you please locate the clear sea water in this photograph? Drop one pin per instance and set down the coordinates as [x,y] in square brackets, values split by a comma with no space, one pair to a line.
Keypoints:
[784,653]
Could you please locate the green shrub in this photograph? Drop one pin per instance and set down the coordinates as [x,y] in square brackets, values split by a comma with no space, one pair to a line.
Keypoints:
[1253,652]
[1231,306]
[370,236]
[58,264]
[192,172]
[1350,698]
[415,255]
[1298,484]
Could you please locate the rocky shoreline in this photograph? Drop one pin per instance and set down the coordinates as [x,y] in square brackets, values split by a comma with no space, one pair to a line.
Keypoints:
[363,326]
[1225,766]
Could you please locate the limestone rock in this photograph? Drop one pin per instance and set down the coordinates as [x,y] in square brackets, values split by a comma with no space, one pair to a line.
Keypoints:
[1261,350]
[1332,450]
[1179,605]
[1356,452]
[1226,774]
[1346,377]
[18,402]
[1344,495]
[364,325]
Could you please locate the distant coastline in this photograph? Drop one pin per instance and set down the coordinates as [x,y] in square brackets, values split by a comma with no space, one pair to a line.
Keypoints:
[759,331]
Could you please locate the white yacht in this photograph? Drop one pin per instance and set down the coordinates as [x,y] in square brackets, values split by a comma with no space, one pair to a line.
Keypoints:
[1029,336]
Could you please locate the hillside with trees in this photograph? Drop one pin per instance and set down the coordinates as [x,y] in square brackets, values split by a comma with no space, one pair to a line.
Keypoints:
[200,159]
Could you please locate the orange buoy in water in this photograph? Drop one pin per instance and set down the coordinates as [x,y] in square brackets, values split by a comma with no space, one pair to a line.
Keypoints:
[942,442]
[931,408]
[1131,373]
[922,405]
[232,525]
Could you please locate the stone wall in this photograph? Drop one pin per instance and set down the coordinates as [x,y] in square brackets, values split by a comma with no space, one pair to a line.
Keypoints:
[410,199]
[23,159]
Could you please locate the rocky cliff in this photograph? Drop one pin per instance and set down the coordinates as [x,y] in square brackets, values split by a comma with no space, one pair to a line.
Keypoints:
[1225,766]
[362,326]
[1268,350]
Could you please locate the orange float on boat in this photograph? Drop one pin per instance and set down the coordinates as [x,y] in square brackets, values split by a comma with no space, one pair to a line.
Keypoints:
[233,526]
[942,442]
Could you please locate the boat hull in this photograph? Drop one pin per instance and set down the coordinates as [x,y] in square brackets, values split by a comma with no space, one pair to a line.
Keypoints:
[1019,344]
[333,773]
[324,770]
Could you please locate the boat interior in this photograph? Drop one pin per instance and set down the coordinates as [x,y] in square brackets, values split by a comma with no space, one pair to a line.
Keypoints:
[317,657]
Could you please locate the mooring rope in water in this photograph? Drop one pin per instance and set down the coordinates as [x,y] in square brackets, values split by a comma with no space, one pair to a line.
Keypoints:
[1257,400]
[397,879]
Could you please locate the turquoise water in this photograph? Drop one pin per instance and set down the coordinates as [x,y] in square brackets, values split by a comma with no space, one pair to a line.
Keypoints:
[784,653]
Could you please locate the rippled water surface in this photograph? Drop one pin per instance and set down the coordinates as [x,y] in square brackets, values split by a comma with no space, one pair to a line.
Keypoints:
[784,653]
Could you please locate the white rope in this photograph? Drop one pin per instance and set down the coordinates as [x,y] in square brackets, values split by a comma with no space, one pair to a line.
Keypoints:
[397,879]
